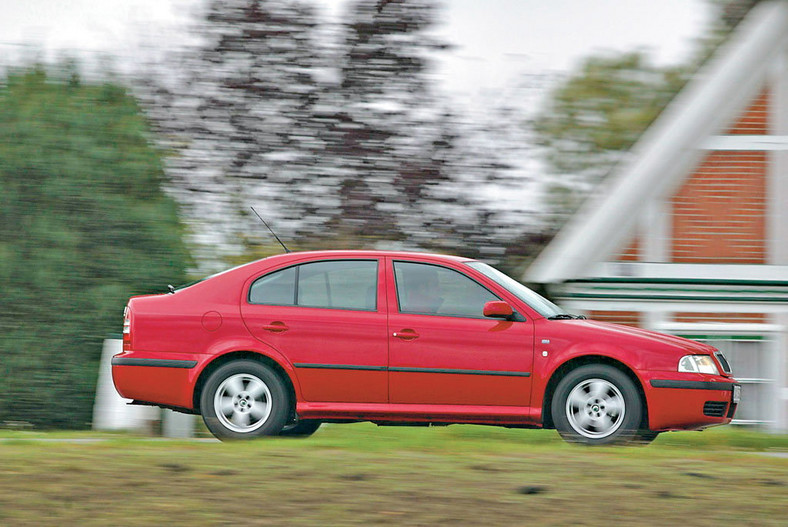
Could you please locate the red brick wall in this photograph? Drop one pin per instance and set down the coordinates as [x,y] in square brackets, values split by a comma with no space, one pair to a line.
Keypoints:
[719,212]
[755,120]
[633,318]
[746,318]
[628,318]
[718,216]
[631,253]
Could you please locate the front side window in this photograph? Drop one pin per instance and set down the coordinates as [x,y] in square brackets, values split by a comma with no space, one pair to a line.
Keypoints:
[433,290]
[339,284]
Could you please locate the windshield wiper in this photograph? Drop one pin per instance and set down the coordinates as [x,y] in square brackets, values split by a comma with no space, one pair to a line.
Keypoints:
[566,316]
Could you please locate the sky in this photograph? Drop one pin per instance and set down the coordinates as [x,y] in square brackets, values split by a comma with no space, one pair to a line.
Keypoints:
[504,53]
[495,41]
[500,39]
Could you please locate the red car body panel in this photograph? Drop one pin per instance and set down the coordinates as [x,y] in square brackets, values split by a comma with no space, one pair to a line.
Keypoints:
[348,364]
[448,343]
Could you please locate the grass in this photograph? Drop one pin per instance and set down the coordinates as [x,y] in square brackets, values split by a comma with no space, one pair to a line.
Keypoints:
[362,474]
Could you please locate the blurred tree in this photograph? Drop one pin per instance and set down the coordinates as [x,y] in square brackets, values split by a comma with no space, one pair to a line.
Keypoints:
[594,117]
[341,138]
[84,224]
[239,111]
[389,136]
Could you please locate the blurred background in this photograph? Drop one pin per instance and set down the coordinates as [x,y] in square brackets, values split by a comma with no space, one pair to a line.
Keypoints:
[135,135]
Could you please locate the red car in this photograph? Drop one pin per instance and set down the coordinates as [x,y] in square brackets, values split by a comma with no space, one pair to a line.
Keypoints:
[279,345]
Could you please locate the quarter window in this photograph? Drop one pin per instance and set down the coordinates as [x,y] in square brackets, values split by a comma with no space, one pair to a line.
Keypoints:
[339,284]
[433,290]
[275,289]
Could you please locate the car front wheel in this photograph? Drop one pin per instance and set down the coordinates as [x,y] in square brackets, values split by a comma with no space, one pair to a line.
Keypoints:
[244,399]
[597,405]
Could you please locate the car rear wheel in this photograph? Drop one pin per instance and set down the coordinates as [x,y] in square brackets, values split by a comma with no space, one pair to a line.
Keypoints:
[597,405]
[244,399]
[303,428]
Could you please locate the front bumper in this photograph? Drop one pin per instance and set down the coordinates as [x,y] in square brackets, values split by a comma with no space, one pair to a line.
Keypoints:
[690,401]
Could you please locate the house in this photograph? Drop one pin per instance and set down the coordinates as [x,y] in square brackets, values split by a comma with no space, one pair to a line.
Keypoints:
[691,236]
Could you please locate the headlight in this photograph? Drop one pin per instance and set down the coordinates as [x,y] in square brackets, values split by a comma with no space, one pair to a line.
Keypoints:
[698,364]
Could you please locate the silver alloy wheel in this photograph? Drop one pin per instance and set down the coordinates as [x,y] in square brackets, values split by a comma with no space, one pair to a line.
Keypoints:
[595,408]
[242,403]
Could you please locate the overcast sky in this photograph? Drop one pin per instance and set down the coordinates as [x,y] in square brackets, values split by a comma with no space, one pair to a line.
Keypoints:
[505,52]
[495,40]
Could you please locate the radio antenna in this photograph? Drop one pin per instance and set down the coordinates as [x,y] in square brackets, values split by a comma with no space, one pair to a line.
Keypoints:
[272,231]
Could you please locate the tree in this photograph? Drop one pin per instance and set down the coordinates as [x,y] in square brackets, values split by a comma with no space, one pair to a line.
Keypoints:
[388,136]
[343,146]
[84,224]
[237,111]
[595,116]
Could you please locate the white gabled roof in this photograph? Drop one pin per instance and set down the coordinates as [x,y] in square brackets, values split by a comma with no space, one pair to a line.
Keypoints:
[670,149]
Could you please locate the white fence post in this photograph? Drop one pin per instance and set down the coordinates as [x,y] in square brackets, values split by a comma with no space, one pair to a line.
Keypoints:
[112,412]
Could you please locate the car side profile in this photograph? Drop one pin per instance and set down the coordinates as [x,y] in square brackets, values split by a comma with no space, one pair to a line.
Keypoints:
[282,344]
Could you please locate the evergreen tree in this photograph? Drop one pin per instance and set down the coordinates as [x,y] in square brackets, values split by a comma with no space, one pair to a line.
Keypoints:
[84,224]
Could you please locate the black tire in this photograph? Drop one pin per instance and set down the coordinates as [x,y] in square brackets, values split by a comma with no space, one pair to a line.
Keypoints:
[244,399]
[303,428]
[597,404]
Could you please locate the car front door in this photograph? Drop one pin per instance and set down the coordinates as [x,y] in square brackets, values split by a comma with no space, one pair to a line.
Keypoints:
[442,350]
[328,318]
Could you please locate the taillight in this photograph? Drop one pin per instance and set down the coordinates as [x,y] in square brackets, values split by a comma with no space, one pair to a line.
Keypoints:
[126,329]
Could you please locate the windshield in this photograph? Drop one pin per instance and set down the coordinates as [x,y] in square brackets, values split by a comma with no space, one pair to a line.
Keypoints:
[539,303]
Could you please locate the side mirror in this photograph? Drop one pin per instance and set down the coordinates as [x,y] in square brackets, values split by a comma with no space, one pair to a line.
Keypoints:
[497,309]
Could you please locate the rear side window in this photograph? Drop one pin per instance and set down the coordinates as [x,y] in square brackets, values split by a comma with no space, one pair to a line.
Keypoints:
[337,284]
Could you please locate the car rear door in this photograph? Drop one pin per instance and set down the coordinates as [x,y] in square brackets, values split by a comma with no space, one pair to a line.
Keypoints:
[442,350]
[328,317]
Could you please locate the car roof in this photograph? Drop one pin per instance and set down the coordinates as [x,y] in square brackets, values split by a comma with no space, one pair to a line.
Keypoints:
[364,253]
[300,256]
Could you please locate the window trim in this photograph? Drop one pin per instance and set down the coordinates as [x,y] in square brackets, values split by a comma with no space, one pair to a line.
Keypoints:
[298,276]
[517,317]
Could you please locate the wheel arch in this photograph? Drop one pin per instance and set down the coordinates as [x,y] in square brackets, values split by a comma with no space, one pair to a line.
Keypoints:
[584,360]
[221,360]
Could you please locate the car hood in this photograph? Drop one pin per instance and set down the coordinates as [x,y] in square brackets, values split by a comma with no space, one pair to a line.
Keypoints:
[646,338]
[645,349]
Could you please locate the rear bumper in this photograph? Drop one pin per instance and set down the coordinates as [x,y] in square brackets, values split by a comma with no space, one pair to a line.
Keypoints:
[689,401]
[153,378]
